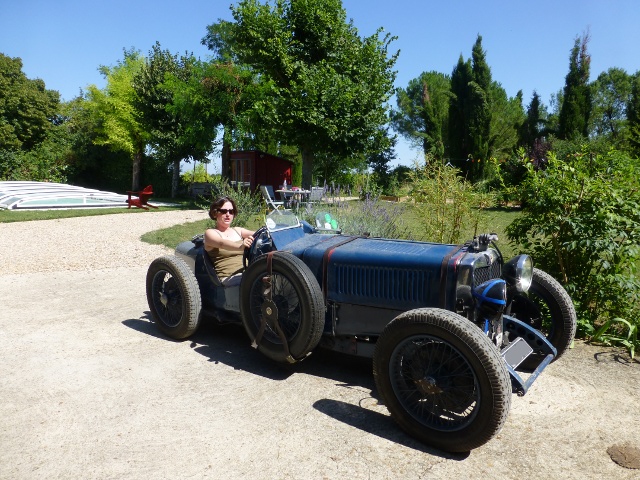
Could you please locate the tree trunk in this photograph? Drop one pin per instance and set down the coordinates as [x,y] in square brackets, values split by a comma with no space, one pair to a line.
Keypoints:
[225,167]
[175,180]
[135,174]
[307,167]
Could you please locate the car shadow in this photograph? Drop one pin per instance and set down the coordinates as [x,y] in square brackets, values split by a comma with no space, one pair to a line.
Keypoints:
[229,345]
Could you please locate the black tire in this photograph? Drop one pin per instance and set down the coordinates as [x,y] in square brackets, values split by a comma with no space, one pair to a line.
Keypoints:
[174,297]
[296,303]
[442,379]
[546,307]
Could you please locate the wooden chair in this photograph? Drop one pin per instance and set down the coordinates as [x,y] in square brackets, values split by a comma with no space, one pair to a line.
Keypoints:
[143,196]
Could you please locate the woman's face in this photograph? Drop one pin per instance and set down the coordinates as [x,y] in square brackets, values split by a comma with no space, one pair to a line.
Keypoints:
[224,219]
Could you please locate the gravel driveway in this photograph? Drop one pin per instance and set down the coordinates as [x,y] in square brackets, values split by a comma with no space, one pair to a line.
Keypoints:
[89,389]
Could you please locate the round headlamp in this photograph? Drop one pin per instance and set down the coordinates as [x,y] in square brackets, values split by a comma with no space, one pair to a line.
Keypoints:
[518,272]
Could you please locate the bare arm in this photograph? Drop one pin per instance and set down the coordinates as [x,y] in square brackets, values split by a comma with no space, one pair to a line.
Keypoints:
[213,239]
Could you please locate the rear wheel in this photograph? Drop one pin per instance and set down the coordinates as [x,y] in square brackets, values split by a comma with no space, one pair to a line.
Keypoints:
[442,379]
[173,295]
[282,309]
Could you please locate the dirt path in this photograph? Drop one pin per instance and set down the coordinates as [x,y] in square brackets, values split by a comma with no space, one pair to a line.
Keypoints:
[89,389]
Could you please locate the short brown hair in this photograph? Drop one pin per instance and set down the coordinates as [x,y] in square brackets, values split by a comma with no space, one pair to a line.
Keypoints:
[219,203]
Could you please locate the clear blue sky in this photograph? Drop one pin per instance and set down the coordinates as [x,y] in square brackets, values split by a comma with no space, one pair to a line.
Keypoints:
[63,42]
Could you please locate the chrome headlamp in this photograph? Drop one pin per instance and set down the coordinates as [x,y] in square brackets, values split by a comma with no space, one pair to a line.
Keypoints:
[518,272]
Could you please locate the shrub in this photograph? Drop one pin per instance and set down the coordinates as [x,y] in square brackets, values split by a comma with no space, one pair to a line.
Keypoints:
[444,201]
[581,223]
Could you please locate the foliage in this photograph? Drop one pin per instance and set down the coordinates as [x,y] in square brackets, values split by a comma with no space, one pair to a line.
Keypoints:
[27,108]
[169,109]
[581,223]
[327,86]
[611,93]
[119,124]
[444,201]
[422,113]
[576,105]
[633,117]
[609,334]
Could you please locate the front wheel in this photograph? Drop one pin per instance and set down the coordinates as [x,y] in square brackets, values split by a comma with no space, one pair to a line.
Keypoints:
[442,379]
[173,295]
[546,307]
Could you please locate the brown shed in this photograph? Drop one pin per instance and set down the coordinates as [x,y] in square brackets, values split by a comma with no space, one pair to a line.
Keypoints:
[252,168]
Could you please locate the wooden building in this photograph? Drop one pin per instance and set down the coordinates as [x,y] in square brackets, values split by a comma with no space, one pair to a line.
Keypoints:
[252,168]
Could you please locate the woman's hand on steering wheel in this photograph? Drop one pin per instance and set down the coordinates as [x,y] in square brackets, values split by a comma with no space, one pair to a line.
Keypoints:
[249,249]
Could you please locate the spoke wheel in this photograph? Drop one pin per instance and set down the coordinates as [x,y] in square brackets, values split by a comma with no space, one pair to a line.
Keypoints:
[442,379]
[282,310]
[173,295]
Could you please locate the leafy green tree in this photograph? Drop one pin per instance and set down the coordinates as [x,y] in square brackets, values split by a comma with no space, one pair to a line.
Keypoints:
[328,87]
[422,113]
[167,114]
[576,105]
[27,108]
[507,117]
[611,93]
[633,117]
[120,127]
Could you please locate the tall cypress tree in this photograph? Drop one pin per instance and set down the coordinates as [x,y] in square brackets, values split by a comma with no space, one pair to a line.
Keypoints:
[458,131]
[479,109]
[576,106]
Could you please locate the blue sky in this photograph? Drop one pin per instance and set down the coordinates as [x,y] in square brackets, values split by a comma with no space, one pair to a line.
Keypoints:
[527,43]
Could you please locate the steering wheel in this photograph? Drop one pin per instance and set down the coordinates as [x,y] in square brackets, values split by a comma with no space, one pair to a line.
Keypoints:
[249,252]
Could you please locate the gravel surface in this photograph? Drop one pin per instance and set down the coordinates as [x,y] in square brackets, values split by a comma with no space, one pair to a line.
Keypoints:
[90,389]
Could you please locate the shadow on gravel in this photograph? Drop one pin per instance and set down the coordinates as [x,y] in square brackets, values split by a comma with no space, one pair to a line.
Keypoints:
[229,344]
[378,424]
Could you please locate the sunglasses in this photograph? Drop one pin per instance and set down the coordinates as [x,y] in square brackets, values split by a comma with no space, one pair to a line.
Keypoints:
[226,210]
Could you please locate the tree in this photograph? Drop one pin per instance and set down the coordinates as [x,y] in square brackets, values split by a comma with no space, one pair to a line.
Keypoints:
[507,117]
[169,115]
[576,105]
[459,147]
[633,117]
[611,93]
[328,87]
[423,109]
[120,127]
[480,110]
[27,108]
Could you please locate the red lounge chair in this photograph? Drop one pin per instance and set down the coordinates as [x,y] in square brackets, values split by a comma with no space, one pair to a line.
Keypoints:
[143,196]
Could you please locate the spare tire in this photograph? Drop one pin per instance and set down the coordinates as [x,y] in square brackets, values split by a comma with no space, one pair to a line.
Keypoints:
[282,309]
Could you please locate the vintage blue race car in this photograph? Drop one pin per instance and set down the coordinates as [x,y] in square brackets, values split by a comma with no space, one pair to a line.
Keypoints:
[453,330]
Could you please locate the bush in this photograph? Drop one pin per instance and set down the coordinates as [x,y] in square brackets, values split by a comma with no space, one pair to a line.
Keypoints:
[581,223]
[444,201]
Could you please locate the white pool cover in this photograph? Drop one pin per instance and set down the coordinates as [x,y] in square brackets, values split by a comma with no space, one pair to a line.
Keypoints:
[45,195]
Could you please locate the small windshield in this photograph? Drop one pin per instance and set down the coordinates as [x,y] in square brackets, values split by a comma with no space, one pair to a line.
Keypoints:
[279,220]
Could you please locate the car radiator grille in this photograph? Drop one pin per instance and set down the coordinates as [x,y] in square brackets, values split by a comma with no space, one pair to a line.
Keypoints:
[482,274]
[390,285]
